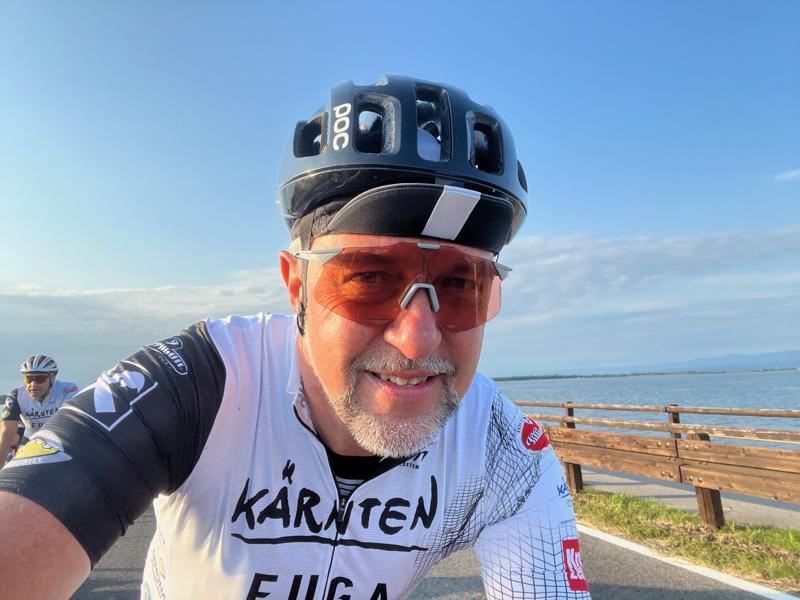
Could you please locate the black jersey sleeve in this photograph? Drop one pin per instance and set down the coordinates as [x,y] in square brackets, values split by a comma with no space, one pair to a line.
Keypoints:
[136,433]
[9,407]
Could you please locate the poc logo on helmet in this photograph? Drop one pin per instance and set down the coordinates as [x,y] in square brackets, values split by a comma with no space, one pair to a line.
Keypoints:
[341,125]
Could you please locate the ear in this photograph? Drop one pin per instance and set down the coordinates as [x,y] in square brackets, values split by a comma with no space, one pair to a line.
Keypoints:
[290,273]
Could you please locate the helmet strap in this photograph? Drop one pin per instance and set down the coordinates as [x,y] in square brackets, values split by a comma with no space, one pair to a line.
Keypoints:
[304,228]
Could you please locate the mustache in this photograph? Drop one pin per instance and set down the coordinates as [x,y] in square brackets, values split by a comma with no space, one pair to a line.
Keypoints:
[394,361]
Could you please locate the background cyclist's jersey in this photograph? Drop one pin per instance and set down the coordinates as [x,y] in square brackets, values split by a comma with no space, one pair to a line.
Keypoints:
[214,423]
[19,406]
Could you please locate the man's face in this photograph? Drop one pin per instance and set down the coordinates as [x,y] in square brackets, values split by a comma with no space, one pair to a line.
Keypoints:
[390,387]
[37,384]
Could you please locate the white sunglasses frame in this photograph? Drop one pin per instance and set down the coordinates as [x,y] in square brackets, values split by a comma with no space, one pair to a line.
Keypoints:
[323,255]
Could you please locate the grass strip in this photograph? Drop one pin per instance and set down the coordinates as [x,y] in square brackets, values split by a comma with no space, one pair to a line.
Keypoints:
[769,555]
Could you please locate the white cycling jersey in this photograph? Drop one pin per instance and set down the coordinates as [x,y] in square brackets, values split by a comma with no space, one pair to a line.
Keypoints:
[20,406]
[214,421]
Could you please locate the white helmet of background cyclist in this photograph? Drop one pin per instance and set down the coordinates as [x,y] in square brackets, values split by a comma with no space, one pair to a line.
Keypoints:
[39,363]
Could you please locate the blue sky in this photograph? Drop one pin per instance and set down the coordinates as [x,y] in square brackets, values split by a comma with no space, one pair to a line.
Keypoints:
[139,146]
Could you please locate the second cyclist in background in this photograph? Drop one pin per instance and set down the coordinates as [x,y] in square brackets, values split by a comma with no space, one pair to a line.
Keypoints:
[31,404]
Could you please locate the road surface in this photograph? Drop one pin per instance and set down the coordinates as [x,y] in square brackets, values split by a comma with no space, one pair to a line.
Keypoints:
[614,573]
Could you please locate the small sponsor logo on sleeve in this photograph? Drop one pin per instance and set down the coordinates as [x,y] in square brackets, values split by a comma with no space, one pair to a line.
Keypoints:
[43,448]
[533,436]
[563,491]
[72,389]
[573,567]
[168,354]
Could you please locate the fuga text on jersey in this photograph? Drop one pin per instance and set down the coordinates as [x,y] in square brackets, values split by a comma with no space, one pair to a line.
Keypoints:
[305,586]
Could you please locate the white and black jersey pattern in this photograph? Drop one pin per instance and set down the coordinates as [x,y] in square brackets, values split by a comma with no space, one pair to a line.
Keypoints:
[213,424]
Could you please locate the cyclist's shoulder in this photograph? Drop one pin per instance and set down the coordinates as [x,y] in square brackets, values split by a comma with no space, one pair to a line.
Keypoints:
[65,387]
[483,384]
[268,329]
[255,322]
[14,397]
[504,425]
[13,394]
[485,396]
[8,407]
[484,411]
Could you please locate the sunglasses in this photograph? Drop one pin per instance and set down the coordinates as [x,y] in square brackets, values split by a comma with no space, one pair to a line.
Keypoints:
[371,285]
[36,378]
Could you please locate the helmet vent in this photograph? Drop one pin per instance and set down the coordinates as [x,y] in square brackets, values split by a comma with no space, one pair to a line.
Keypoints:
[369,137]
[308,137]
[433,117]
[377,124]
[486,152]
[523,181]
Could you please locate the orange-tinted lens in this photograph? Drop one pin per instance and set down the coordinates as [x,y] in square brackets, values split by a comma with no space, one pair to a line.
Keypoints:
[36,378]
[468,288]
[367,285]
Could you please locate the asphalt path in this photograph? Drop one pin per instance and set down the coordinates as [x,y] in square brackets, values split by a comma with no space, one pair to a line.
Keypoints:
[613,573]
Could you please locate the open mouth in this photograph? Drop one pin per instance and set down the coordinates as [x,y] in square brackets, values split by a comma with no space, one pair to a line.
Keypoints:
[401,381]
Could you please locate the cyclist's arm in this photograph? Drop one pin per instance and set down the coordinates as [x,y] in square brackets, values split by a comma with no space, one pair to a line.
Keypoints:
[528,548]
[60,562]
[8,437]
[536,551]
[137,432]
[9,423]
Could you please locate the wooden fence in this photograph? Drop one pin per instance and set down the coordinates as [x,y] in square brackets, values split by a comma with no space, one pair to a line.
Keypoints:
[684,454]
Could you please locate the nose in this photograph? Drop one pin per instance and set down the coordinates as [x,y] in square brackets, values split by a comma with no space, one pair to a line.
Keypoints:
[414,331]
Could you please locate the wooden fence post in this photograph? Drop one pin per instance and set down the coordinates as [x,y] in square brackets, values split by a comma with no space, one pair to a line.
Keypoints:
[674,418]
[709,502]
[574,474]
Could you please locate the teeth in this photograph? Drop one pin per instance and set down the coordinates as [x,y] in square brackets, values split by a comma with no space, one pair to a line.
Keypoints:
[402,381]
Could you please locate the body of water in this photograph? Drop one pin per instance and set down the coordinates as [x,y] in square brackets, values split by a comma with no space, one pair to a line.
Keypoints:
[763,389]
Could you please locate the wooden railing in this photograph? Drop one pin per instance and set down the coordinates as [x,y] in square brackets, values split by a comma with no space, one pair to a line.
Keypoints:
[684,454]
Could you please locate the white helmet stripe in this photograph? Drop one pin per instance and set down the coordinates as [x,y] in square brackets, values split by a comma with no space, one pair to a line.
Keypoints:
[451,212]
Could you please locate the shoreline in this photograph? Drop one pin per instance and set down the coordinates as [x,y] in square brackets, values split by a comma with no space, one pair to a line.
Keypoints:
[639,374]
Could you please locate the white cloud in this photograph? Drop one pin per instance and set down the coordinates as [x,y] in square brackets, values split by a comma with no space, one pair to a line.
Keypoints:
[584,275]
[788,176]
[570,302]
[107,309]
[582,301]
[88,330]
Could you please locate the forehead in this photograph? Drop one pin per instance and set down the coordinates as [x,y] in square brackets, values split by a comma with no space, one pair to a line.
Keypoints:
[362,240]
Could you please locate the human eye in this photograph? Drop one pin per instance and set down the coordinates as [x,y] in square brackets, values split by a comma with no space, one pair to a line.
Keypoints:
[367,277]
[458,283]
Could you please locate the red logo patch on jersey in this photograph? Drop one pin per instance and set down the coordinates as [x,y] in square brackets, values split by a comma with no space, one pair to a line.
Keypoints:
[533,436]
[71,389]
[573,567]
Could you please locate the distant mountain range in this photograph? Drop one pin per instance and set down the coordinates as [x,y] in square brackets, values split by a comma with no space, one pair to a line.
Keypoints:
[787,359]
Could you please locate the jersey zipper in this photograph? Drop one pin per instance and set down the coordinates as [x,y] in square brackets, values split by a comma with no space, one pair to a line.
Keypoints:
[339,507]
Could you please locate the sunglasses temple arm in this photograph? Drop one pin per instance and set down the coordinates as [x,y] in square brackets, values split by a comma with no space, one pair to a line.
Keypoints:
[502,270]
[320,256]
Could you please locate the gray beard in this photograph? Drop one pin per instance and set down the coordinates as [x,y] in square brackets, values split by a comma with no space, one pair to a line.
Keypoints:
[390,436]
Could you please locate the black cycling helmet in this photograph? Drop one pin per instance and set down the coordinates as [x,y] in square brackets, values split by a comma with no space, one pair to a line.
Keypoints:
[424,148]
